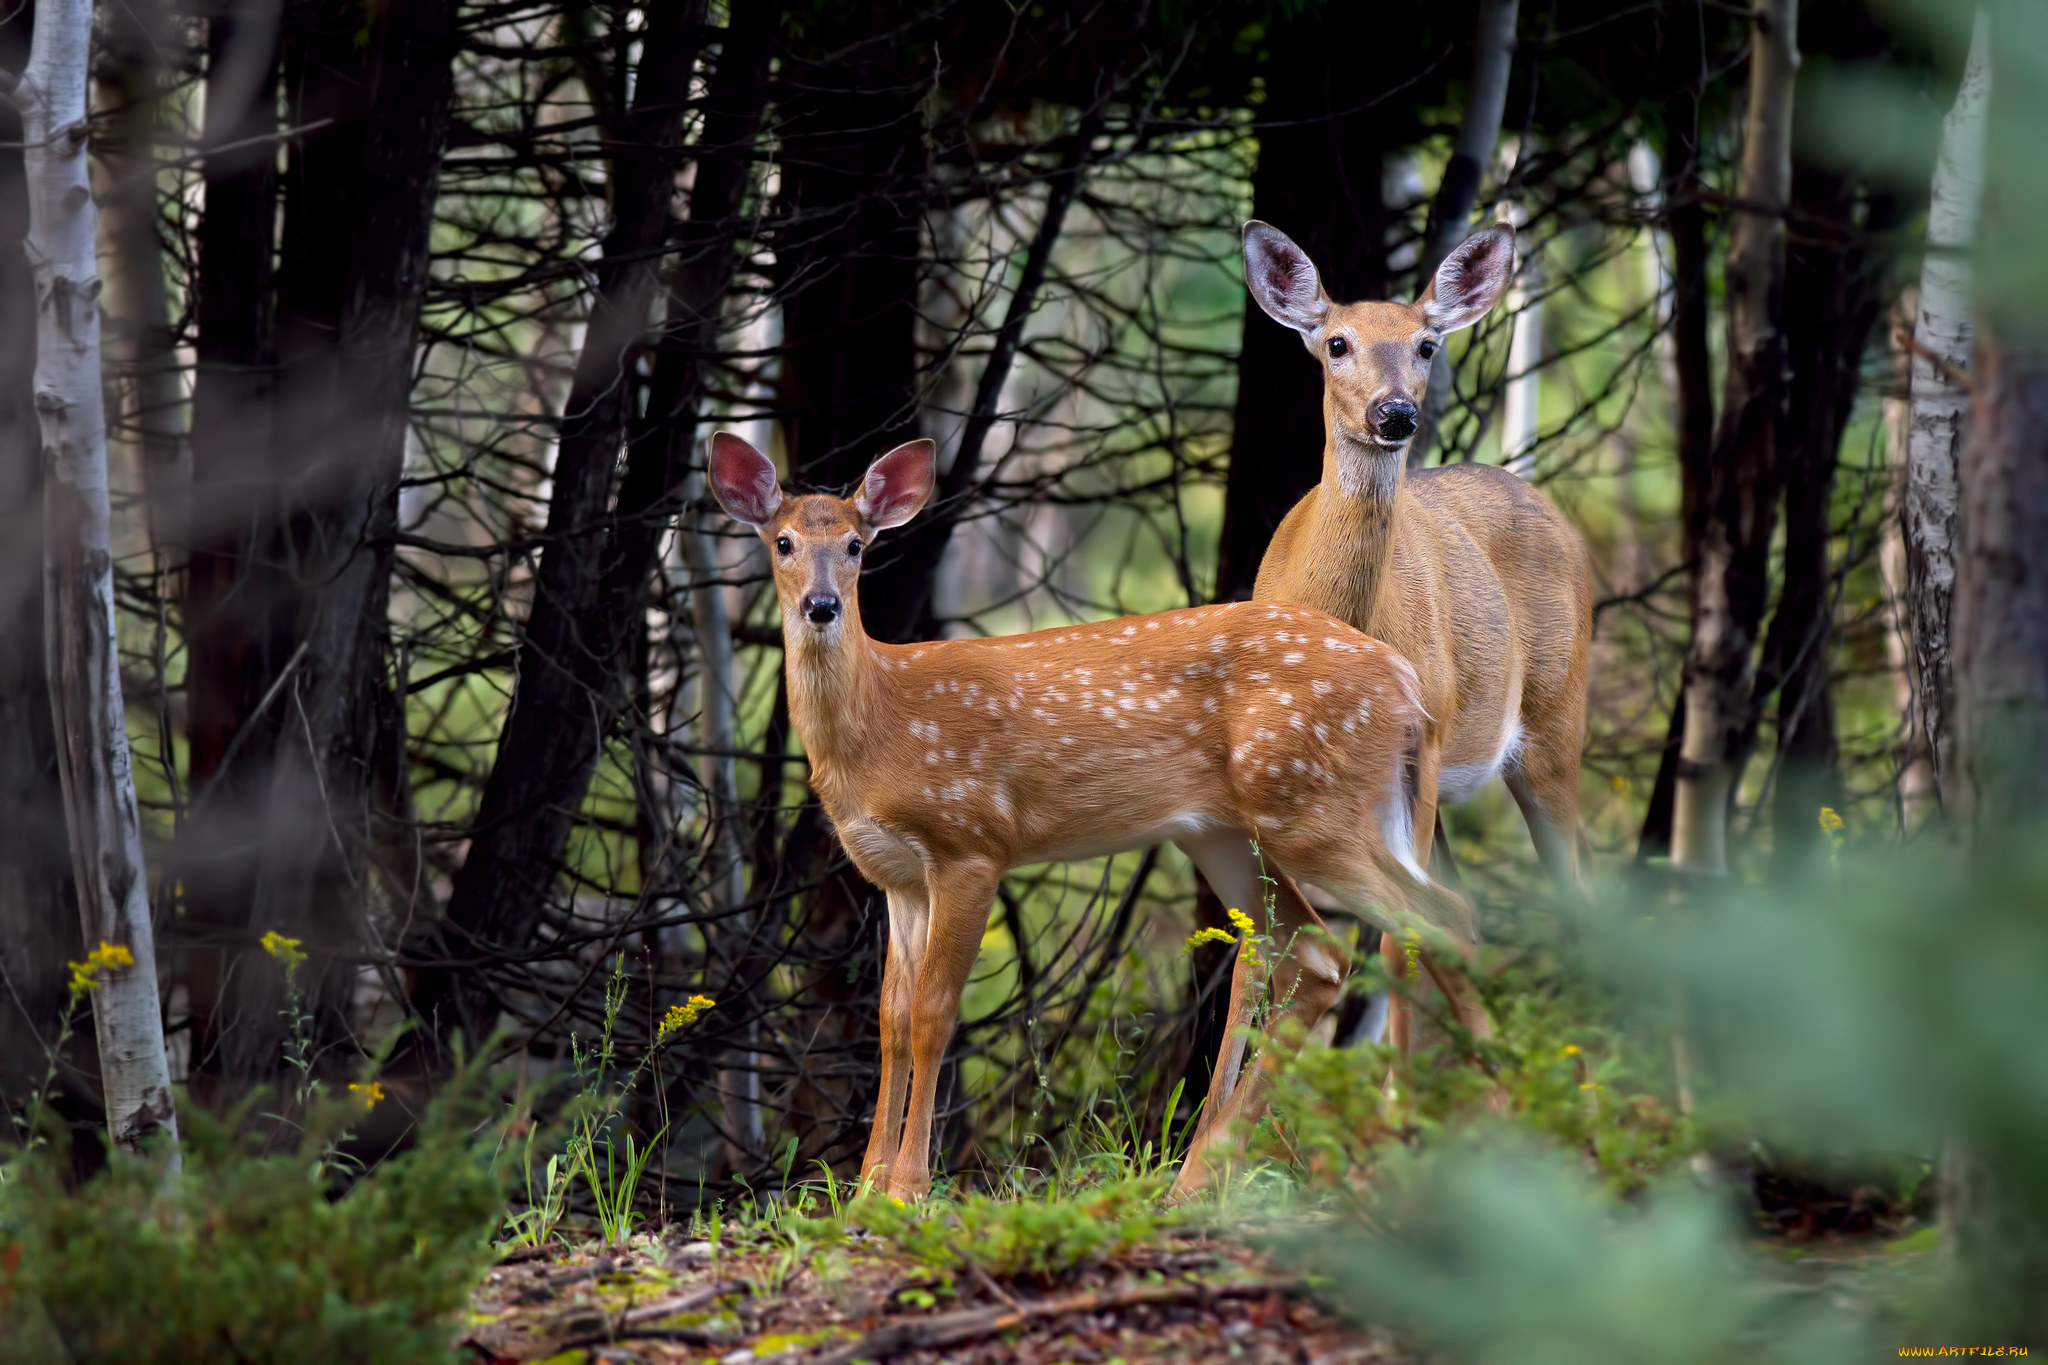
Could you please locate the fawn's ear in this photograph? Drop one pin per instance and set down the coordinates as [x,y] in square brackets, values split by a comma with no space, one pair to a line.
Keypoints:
[743,480]
[896,486]
[1471,279]
[1282,278]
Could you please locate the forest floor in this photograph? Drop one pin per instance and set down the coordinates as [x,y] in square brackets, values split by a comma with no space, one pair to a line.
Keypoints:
[1182,1298]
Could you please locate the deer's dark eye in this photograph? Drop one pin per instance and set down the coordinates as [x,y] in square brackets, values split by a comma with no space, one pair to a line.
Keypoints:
[1426,349]
[783,547]
[853,549]
[1338,346]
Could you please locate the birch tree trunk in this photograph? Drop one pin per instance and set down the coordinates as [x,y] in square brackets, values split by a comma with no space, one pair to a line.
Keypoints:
[1521,416]
[82,654]
[1730,573]
[1450,213]
[1942,337]
[38,927]
[740,1084]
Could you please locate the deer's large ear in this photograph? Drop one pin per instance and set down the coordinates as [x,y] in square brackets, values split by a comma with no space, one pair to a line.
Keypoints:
[896,486]
[743,480]
[1471,279]
[1282,278]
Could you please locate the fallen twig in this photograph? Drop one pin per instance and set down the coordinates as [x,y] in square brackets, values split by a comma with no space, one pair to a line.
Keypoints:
[631,1323]
[955,1329]
[696,1298]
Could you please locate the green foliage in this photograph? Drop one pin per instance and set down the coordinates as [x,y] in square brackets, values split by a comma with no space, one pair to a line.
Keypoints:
[1043,1237]
[614,1181]
[1548,1069]
[610,1162]
[1864,1018]
[1499,1251]
[248,1254]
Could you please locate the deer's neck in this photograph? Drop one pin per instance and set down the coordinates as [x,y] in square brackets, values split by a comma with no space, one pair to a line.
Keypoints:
[834,689]
[1355,510]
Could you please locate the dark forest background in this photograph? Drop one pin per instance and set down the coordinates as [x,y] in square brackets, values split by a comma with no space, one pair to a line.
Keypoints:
[438,659]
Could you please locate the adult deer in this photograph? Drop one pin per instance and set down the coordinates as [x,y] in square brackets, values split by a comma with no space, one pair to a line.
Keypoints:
[944,764]
[1464,569]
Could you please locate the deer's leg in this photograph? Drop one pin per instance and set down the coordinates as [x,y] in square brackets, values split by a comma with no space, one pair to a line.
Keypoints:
[960,900]
[1303,967]
[1425,840]
[1545,782]
[908,913]
[1452,979]
[1398,960]
[1227,863]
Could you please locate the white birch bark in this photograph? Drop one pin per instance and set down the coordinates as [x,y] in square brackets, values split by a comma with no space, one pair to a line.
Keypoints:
[1916,791]
[717,735]
[83,656]
[1521,405]
[1943,334]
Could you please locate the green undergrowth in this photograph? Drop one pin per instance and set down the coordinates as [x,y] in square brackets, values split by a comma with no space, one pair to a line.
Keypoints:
[1552,1069]
[1042,1236]
[250,1253]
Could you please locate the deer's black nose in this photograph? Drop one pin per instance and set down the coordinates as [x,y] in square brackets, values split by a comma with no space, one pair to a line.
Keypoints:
[1393,419]
[822,608]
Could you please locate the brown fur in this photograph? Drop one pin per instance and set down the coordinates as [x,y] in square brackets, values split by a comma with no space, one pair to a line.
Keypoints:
[1466,570]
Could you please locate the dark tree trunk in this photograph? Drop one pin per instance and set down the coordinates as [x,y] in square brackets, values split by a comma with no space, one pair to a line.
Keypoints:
[852,181]
[2001,600]
[353,274]
[1837,282]
[1730,579]
[1692,366]
[594,569]
[238,631]
[39,928]
[1999,780]
[1319,177]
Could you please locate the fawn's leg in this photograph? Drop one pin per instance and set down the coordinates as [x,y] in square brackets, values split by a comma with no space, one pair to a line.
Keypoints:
[908,912]
[1302,966]
[960,900]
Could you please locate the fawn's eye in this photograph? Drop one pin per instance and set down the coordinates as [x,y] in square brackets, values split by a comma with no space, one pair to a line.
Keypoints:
[1426,349]
[853,549]
[1338,346]
[783,547]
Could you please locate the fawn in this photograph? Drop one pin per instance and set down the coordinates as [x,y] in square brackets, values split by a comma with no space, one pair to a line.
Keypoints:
[944,764]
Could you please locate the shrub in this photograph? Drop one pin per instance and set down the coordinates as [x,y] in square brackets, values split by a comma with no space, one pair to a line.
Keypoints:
[248,1255]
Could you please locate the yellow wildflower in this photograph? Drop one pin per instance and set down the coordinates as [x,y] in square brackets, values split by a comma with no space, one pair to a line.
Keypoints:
[1210,935]
[371,1091]
[287,951]
[1571,1049]
[683,1015]
[90,974]
[1243,922]
[1830,822]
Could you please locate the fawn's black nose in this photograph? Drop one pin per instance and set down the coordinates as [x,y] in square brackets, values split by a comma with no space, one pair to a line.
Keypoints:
[1393,419]
[822,608]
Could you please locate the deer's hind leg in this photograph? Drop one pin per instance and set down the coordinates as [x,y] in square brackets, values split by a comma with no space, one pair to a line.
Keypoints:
[1300,971]
[1544,780]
